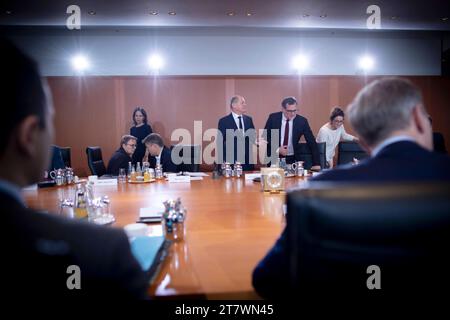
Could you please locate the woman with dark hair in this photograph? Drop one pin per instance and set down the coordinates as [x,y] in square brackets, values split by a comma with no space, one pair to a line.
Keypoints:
[140,130]
[332,132]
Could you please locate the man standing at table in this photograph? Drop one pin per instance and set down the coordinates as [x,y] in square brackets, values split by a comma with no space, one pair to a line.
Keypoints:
[291,127]
[239,135]
[41,251]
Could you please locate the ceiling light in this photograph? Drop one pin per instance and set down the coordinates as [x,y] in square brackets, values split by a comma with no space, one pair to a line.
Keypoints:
[249,14]
[231,14]
[394,18]
[366,63]
[92,13]
[444,19]
[300,62]
[323,16]
[154,13]
[172,13]
[155,62]
[80,63]
[8,12]
[305,15]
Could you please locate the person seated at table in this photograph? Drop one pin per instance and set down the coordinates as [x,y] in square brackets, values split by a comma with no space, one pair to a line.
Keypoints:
[391,122]
[122,156]
[159,154]
[43,254]
[332,132]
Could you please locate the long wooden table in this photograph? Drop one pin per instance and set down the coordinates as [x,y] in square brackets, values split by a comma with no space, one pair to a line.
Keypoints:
[230,226]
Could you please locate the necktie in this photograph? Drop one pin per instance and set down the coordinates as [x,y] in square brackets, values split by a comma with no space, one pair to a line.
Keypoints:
[240,123]
[286,134]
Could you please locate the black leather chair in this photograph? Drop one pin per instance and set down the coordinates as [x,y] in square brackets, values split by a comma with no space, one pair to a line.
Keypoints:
[194,159]
[303,153]
[65,152]
[336,231]
[347,150]
[95,161]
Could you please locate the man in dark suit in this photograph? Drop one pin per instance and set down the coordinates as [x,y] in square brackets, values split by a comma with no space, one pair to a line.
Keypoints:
[238,135]
[122,156]
[290,128]
[159,154]
[40,251]
[391,121]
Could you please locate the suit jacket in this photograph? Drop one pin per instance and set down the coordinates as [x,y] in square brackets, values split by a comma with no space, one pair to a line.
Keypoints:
[401,161]
[228,122]
[39,247]
[166,161]
[300,128]
[118,160]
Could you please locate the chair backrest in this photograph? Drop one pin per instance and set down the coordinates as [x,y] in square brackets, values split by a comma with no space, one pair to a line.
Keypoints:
[336,231]
[347,150]
[95,161]
[303,152]
[192,152]
[65,152]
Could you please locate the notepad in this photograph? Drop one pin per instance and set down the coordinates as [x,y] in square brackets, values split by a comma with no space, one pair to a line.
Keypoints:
[149,252]
[151,214]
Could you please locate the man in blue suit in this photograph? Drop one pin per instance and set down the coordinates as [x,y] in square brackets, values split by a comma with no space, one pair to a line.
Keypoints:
[390,119]
[290,127]
[238,134]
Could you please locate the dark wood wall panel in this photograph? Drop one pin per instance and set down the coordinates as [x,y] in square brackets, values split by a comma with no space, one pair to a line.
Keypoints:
[97,110]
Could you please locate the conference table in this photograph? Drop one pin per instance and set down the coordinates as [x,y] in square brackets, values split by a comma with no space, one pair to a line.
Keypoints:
[231,224]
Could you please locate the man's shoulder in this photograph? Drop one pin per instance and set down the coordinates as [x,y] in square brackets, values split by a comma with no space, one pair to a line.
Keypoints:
[225,119]
[275,115]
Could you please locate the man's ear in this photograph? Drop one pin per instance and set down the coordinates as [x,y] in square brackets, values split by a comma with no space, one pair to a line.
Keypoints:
[28,135]
[418,119]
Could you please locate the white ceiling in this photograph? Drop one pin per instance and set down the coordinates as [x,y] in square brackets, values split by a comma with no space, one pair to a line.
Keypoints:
[337,14]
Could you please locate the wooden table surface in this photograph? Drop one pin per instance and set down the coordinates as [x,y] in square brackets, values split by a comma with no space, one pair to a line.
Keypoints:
[230,226]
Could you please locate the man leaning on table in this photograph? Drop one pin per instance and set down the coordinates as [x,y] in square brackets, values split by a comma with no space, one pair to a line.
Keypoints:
[291,128]
[38,247]
[390,119]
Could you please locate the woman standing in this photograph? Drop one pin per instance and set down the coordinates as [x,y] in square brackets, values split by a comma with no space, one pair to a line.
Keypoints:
[332,132]
[140,130]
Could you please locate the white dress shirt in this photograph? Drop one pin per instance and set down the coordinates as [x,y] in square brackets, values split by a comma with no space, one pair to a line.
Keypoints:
[283,128]
[158,157]
[236,120]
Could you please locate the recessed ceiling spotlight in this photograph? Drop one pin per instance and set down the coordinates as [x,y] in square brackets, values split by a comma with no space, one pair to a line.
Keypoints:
[172,13]
[394,18]
[323,16]
[231,13]
[305,15]
[366,63]
[154,13]
[249,14]
[8,12]
[444,19]
[92,13]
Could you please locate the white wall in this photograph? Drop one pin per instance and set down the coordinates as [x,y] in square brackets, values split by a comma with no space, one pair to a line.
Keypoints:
[236,51]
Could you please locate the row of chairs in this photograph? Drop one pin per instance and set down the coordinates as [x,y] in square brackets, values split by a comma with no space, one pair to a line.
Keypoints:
[97,166]
[346,152]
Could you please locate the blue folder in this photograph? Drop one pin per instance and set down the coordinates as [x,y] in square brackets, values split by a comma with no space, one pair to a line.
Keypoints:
[150,252]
